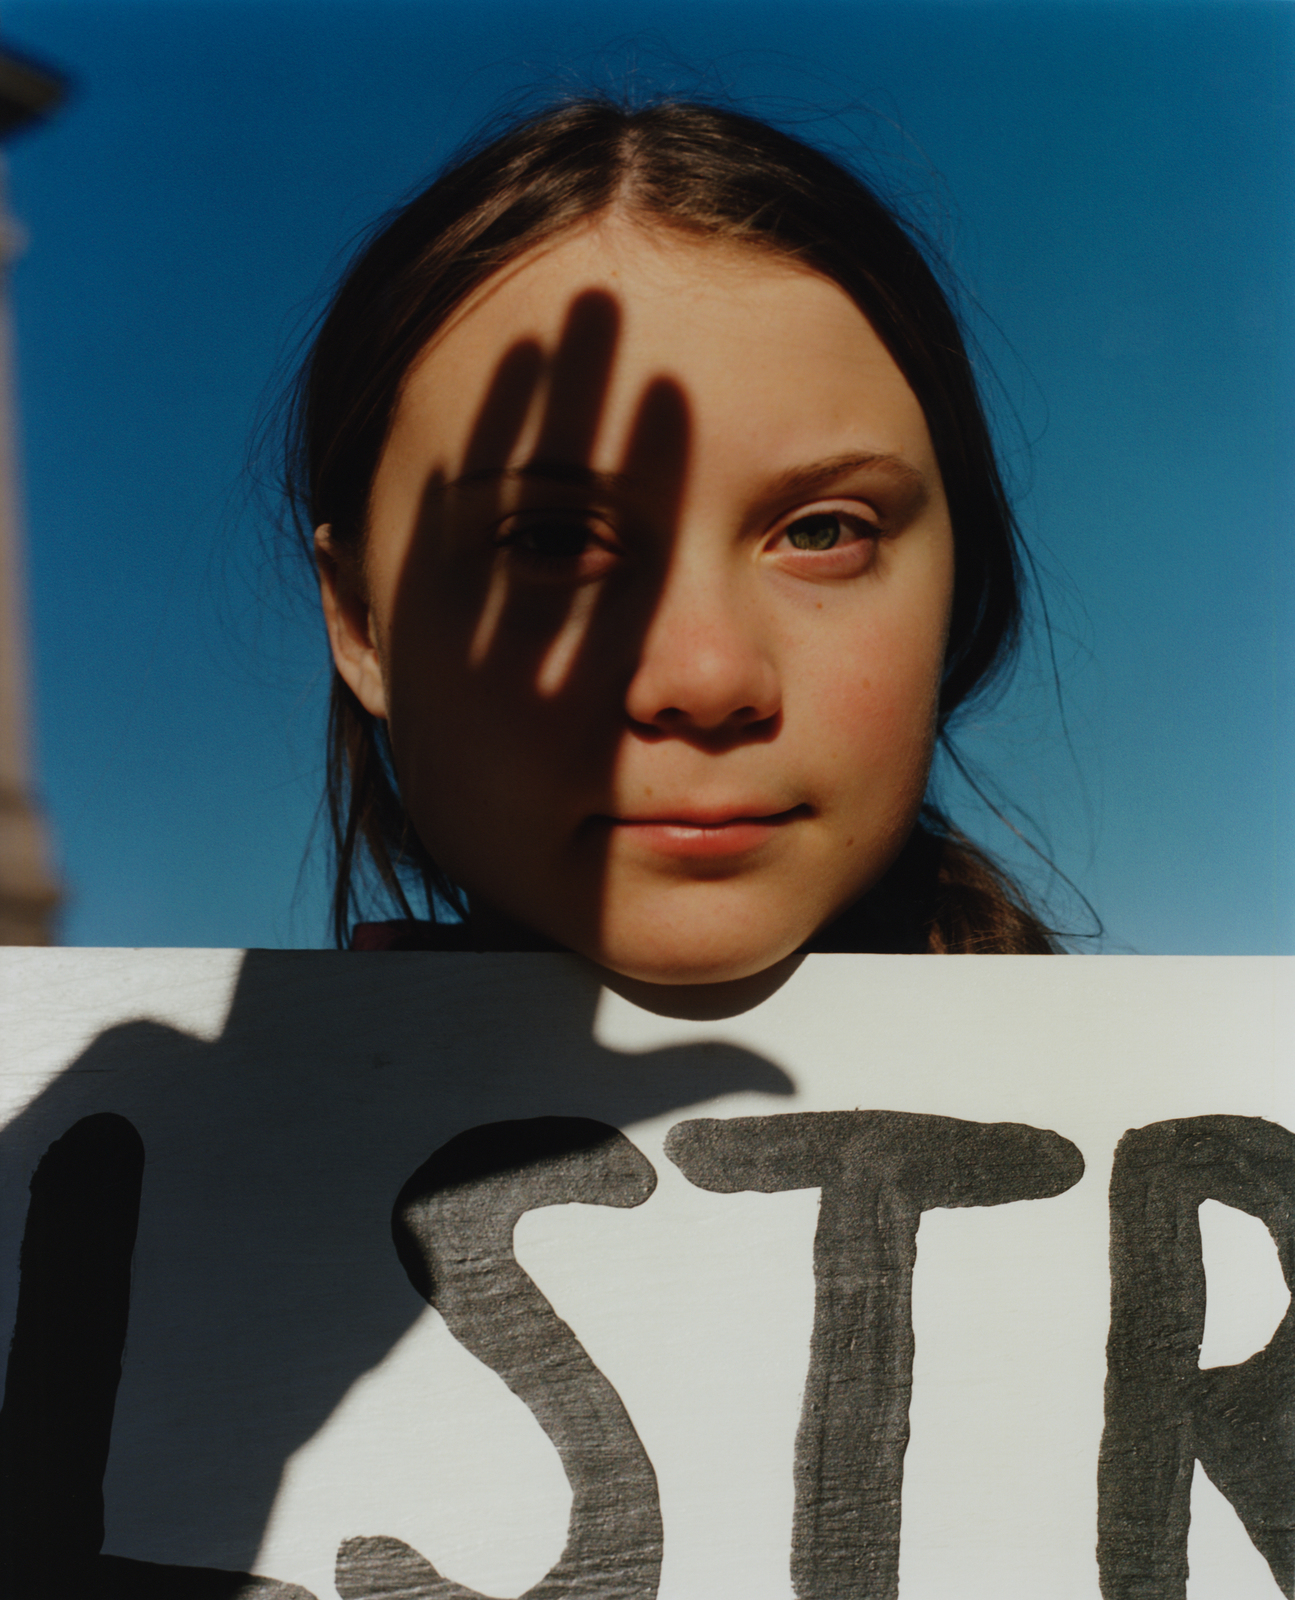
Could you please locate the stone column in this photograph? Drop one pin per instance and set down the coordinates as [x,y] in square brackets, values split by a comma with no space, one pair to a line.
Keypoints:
[29,892]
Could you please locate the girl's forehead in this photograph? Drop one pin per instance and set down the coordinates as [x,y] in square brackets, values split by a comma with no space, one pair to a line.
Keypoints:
[586,324]
[636,260]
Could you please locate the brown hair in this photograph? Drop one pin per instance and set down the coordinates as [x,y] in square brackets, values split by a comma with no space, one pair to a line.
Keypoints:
[713,173]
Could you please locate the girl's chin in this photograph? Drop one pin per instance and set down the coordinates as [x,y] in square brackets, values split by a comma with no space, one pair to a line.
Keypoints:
[642,951]
[695,961]
[669,933]
[700,932]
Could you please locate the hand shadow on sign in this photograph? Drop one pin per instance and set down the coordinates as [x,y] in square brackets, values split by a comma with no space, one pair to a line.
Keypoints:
[265,1280]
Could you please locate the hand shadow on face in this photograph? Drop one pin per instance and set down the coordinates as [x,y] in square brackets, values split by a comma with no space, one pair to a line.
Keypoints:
[545,666]
[264,1280]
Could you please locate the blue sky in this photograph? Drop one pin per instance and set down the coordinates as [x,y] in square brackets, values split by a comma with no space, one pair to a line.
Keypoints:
[1114,183]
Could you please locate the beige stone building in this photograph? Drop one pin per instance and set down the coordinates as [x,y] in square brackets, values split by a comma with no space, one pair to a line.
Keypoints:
[29,892]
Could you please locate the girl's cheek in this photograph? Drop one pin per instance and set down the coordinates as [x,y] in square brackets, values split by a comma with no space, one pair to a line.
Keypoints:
[889,663]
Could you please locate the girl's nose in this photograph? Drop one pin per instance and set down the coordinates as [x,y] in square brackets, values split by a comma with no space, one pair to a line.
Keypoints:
[704,666]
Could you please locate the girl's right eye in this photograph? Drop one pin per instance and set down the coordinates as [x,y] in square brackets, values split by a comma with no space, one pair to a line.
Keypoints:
[564,546]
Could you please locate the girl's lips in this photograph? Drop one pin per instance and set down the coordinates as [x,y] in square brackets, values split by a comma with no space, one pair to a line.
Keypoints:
[701,836]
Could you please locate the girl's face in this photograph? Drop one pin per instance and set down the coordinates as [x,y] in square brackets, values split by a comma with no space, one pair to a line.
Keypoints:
[655,595]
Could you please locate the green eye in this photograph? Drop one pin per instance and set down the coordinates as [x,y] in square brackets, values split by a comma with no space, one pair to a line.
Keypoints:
[819,531]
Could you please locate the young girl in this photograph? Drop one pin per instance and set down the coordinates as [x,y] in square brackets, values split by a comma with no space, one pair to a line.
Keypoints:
[660,536]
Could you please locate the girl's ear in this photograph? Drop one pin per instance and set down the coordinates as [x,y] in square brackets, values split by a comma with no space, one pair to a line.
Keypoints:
[350,624]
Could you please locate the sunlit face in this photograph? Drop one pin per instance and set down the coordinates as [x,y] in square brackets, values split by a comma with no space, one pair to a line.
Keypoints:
[655,596]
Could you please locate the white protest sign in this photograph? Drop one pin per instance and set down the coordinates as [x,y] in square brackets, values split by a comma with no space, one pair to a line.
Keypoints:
[809,1299]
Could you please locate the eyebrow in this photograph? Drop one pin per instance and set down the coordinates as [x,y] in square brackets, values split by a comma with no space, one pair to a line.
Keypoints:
[795,480]
[815,475]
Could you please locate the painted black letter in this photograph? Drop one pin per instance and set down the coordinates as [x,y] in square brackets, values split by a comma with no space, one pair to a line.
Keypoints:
[65,1360]
[878,1171]
[1162,1412]
[453,1227]
[61,1384]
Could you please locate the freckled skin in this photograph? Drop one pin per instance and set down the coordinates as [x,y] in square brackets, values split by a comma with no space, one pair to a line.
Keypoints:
[570,670]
